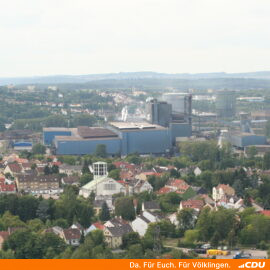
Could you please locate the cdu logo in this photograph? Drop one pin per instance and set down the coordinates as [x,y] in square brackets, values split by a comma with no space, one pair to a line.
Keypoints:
[252,265]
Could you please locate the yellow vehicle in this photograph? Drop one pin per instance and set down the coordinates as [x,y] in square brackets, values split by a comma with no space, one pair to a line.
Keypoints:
[217,252]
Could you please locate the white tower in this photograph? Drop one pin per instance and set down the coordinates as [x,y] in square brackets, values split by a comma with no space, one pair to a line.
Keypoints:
[99,169]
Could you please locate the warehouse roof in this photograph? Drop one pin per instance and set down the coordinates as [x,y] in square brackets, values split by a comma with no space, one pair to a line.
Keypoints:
[94,132]
[57,129]
[76,138]
[135,126]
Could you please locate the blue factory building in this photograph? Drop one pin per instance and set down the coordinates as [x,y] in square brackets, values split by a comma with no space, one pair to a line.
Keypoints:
[50,133]
[119,137]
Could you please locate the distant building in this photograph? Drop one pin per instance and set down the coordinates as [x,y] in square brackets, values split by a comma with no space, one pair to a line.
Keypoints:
[222,192]
[113,235]
[101,185]
[196,205]
[226,103]
[38,184]
[159,112]
[71,236]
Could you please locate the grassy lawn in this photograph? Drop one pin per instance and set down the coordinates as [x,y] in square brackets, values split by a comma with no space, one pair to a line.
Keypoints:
[170,242]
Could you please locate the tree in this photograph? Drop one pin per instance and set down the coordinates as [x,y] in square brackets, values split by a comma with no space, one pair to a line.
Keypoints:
[105,212]
[191,236]
[8,220]
[129,239]
[101,151]
[39,149]
[86,178]
[25,245]
[47,170]
[115,174]
[55,169]
[8,254]
[35,225]
[85,168]
[135,252]
[124,207]
[266,161]
[43,210]
[186,219]
[251,151]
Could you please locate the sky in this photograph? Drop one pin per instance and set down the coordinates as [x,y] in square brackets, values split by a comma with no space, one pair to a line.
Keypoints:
[46,37]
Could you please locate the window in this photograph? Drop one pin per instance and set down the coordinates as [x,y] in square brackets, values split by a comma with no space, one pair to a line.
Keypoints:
[110,186]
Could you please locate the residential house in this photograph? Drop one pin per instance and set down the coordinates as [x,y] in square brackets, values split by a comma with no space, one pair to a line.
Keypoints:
[197,171]
[222,192]
[3,236]
[38,184]
[173,219]
[71,236]
[115,222]
[70,169]
[196,205]
[265,213]
[152,216]
[78,226]
[13,169]
[150,206]
[73,180]
[113,235]
[174,185]
[140,225]
[56,230]
[144,175]
[97,205]
[136,186]
[93,227]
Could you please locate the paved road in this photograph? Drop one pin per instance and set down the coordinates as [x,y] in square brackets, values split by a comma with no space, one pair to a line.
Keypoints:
[255,254]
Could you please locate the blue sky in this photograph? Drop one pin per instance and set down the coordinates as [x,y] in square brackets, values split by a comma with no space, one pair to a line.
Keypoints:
[101,36]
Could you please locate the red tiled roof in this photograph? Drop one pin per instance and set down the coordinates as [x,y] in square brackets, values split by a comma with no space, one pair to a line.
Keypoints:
[4,234]
[72,234]
[178,183]
[5,188]
[198,204]
[15,167]
[126,175]
[121,182]
[165,190]
[57,163]
[122,164]
[99,225]
[152,173]
[227,189]
[266,212]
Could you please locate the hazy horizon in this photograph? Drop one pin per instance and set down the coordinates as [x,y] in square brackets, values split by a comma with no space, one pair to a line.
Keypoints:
[47,38]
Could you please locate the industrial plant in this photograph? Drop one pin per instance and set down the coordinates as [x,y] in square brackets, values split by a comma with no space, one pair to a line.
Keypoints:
[164,123]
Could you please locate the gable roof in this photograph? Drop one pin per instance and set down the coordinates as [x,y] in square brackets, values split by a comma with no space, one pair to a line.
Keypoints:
[99,225]
[15,167]
[165,190]
[70,234]
[70,179]
[266,213]
[92,184]
[144,218]
[150,205]
[228,190]
[195,204]
[7,187]
[120,231]
[4,234]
